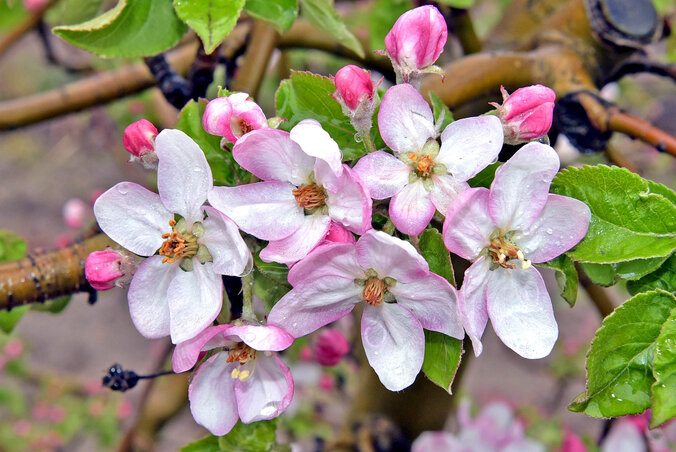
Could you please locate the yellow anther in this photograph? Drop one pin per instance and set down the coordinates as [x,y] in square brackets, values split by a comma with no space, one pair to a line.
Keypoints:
[235,373]
[519,255]
[243,375]
[526,264]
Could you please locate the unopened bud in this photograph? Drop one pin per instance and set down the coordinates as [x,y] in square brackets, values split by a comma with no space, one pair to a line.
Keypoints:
[527,113]
[415,42]
[109,268]
[356,94]
[139,141]
[233,116]
[331,347]
[34,6]
[338,233]
[75,212]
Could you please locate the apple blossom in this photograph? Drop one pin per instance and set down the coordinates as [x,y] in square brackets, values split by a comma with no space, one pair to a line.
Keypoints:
[305,189]
[402,297]
[527,113]
[233,116]
[503,230]
[139,141]
[422,176]
[245,381]
[109,268]
[178,292]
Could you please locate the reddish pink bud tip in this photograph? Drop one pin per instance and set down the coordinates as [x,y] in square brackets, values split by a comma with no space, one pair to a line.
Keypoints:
[527,113]
[417,38]
[104,268]
[331,347]
[139,137]
[354,86]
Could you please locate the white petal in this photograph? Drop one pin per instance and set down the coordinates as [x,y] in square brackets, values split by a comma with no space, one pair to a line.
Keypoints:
[212,395]
[472,302]
[384,174]
[183,174]
[412,209]
[390,256]
[147,296]
[405,120]
[351,205]
[316,142]
[267,392]
[133,217]
[225,244]
[468,226]
[296,246]
[335,259]
[446,190]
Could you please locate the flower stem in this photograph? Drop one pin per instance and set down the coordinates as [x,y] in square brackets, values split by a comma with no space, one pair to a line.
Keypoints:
[388,227]
[368,143]
[247,297]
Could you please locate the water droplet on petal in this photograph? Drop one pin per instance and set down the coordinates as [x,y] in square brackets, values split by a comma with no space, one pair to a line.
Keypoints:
[549,231]
[269,409]
[123,190]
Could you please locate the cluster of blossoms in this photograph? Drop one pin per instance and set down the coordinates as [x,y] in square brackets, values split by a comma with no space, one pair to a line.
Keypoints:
[308,205]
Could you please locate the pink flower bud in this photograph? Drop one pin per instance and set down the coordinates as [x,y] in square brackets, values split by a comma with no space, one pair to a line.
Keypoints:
[109,268]
[331,347]
[527,113]
[233,116]
[139,137]
[14,348]
[416,41]
[34,6]
[338,233]
[353,85]
[75,212]
[572,443]
[327,382]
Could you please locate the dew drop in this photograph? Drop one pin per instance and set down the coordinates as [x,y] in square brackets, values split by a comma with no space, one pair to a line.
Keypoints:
[269,409]
[122,190]
[549,231]
[197,170]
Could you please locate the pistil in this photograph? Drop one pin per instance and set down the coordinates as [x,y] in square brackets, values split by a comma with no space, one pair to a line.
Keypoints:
[374,291]
[310,196]
[502,251]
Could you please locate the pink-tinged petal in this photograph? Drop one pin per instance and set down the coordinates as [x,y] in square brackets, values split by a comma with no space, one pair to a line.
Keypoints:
[521,311]
[186,353]
[269,154]
[230,254]
[472,302]
[446,190]
[212,395]
[195,299]
[470,145]
[412,209]
[624,437]
[351,205]
[148,297]
[216,118]
[313,304]
[316,142]
[267,392]
[296,246]
[468,224]
[436,442]
[405,120]
[262,337]
[134,217]
[394,343]
[521,186]
[267,210]
[417,38]
[338,233]
[390,256]
[383,174]
[560,226]
[525,445]
[183,174]
[339,259]
[433,301]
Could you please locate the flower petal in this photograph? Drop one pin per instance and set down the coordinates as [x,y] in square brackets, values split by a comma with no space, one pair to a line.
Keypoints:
[472,302]
[470,145]
[267,210]
[212,395]
[446,190]
[186,353]
[351,205]
[225,244]
[262,337]
[336,259]
[468,224]
[405,120]
[134,217]
[296,246]
[433,301]
[412,209]
[195,299]
[390,256]
[394,343]
[313,304]
[148,297]
[183,174]
[267,392]
[560,226]
[436,441]
[520,188]
[521,311]
[316,142]
[269,154]
[383,174]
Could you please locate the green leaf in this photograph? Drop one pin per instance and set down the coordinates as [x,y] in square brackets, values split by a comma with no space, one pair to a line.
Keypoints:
[212,20]
[9,319]
[442,114]
[601,274]
[436,254]
[223,166]
[463,4]
[384,13]
[323,15]
[306,95]
[11,13]
[281,14]
[619,363]
[609,274]
[255,437]
[130,29]
[270,281]
[664,371]
[662,190]
[663,278]
[628,221]
[566,277]
[68,12]
[442,358]
[485,176]
[207,444]
[55,306]
[12,247]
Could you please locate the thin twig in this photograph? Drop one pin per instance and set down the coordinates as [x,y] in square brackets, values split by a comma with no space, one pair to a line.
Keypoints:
[249,75]
[604,304]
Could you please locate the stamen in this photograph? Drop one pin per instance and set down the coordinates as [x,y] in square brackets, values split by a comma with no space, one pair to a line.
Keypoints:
[374,291]
[413,156]
[235,373]
[503,251]
[309,196]
[425,165]
[244,374]
[177,246]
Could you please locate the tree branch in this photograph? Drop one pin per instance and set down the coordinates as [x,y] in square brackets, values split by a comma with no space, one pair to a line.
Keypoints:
[249,75]
[24,27]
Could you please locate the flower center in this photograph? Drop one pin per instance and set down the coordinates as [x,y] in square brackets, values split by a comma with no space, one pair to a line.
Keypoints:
[178,245]
[374,291]
[423,164]
[239,126]
[243,354]
[502,251]
[310,196]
